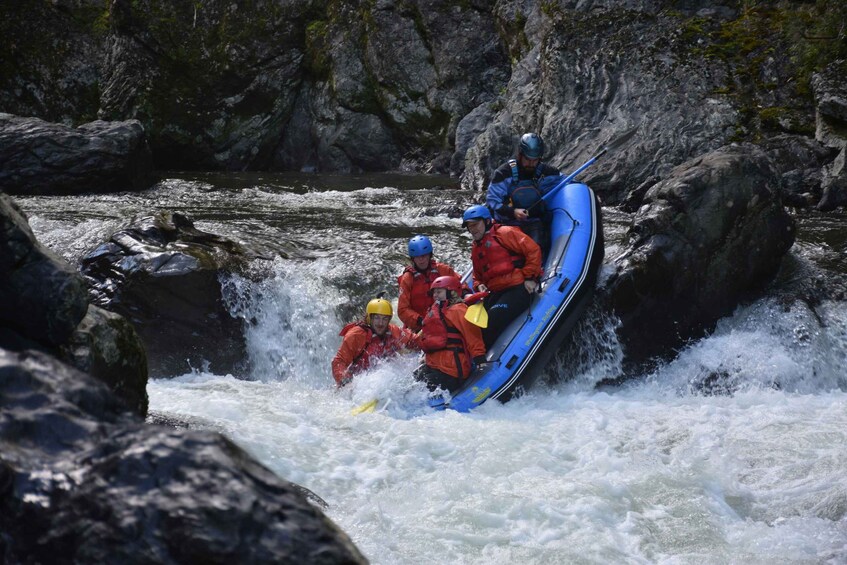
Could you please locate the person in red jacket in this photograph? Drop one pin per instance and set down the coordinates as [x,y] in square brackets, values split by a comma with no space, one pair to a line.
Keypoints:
[368,340]
[415,299]
[451,343]
[506,263]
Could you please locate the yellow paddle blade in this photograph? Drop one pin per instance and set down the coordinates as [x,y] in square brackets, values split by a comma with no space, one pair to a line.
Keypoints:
[477,315]
[366,407]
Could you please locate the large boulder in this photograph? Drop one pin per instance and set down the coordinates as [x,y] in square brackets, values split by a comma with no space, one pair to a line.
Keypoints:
[164,275]
[83,480]
[107,347]
[38,157]
[708,237]
[42,298]
[44,305]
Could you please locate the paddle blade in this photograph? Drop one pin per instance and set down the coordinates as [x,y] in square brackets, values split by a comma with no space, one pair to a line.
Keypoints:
[366,407]
[477,315]
[626,136]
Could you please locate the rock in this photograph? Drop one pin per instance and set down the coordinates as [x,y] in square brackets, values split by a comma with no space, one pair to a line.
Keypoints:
[709,236]
[37,157]
[831,98]
[41,297]
[83,480]
[44,305]
[107,347]
[163,275]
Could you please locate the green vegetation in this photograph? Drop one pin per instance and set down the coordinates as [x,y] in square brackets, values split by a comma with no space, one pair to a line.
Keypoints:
[770,47]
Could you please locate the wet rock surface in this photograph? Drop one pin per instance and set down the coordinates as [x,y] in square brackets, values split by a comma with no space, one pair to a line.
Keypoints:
[38,157]
[83,480]
[164,275]
[707,238]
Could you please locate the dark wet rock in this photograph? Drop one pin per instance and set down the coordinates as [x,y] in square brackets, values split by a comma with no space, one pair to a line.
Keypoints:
[83,480]
[41,297]
[708,237]
[831,97]
[107,347]
[38,157]
[800,161]
[44,305]
[164,275]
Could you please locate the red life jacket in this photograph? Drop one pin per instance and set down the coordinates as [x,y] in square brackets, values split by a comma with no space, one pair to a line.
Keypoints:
[419,299]
[438,334]
[375,348]
[491,259]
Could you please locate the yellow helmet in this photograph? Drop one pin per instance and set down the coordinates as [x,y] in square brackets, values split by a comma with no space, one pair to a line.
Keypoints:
[378,306]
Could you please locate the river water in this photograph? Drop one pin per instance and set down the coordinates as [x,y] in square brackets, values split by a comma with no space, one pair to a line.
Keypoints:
[652,471]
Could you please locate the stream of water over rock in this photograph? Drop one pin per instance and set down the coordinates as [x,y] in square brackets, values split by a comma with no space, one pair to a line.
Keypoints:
[662,469]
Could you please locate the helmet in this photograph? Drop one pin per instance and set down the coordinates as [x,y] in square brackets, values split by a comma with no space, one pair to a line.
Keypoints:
[449,282]
[419,245]
[477,212]
[378,306]
[531,146]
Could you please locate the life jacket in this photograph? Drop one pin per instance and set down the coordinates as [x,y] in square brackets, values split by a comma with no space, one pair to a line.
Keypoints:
[491,259]
[524,193]
[375,347]
[419,298]
[437,334]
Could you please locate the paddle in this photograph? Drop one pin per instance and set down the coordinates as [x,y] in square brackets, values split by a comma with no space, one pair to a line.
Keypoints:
[611,146]
[369,406]
[476,313]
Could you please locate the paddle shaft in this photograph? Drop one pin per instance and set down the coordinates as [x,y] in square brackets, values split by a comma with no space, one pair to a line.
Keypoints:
[612,145]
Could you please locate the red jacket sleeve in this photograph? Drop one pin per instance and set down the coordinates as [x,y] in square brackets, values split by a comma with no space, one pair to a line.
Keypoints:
[516,240]
[352,345]
[470,332]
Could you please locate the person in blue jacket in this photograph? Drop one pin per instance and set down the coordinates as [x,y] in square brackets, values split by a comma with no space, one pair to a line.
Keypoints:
[517,186]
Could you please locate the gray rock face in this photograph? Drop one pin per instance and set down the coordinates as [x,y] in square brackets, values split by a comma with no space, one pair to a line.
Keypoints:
[587,80]
[82,480]
[37,157]
[162,274]
[107,347]
[44,305]
[708,237]
[41,297]
[831,96]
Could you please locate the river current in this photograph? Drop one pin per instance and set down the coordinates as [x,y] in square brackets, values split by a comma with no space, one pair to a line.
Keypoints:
[660,469]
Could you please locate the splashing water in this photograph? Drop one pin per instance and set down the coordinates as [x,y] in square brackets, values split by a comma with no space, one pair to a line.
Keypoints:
[732,452]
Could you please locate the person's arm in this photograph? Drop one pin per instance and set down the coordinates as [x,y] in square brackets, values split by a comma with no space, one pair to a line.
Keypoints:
[497,197]
[517,241]
[351,347]
[409,317]
[409,339]
[552,177]
[471,333]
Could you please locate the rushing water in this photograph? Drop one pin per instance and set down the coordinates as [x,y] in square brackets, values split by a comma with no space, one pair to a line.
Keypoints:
[654,471]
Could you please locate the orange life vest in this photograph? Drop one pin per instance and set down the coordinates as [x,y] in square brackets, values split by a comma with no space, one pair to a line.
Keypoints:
[376,346]
[419,298]
[491,259]
[438,334]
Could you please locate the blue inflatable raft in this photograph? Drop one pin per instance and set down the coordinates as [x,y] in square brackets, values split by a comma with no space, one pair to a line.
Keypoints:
[531,340]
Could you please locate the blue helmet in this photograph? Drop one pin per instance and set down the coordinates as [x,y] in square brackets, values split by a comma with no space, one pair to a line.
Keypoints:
[476,212]
[419,245]
[531,146]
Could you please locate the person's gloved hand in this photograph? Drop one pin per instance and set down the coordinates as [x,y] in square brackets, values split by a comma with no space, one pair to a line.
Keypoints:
[530,286]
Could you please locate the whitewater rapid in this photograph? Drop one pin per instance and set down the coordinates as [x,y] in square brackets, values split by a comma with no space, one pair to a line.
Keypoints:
[734,452]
